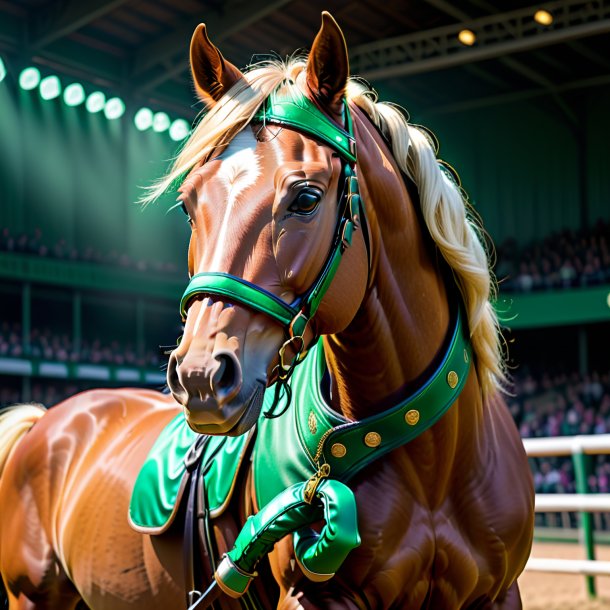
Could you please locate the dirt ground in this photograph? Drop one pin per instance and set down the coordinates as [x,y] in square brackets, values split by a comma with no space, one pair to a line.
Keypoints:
[541,591]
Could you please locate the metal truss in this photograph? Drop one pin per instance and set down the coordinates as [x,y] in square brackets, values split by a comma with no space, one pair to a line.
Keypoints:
[60,20]
[497,35]
[155,62]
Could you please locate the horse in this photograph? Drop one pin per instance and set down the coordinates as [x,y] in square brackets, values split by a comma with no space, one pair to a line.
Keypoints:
[445,520]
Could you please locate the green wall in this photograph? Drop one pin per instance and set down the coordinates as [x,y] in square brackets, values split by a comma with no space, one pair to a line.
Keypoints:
[598,159]
[519,162]
[77,176]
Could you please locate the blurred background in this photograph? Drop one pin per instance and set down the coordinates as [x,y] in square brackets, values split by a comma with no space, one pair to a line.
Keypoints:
[95,99]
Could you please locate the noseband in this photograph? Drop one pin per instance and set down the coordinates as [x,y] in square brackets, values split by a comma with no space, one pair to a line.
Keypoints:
[301,114]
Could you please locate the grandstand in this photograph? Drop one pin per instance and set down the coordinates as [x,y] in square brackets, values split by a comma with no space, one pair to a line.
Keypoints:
[90,282]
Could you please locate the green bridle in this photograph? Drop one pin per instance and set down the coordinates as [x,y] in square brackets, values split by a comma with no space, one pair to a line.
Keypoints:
[299,113]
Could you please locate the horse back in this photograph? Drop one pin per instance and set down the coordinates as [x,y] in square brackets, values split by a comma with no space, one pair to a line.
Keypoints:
[64,497]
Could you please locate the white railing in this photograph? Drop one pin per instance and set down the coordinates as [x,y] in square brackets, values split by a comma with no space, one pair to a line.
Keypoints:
[592,503]
[567,445]
[586,567]
[583,502]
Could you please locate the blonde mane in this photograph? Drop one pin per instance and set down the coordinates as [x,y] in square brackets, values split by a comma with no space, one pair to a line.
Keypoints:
[455,229]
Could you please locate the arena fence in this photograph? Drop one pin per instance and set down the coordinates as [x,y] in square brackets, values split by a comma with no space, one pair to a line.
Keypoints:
[582,502]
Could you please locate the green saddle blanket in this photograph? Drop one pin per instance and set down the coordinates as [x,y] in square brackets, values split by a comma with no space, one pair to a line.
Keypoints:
[292,447]
[160,485]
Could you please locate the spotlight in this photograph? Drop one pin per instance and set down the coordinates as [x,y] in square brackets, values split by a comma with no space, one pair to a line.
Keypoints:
[143,119]
[467,37]
[95,102]
[50,87]
[2,70]
[74,94]
[114,108]
[160,122]
[543,17]
[29,78]
[178,130]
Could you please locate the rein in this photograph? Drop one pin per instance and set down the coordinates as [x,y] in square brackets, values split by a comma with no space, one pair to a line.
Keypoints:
[303,115]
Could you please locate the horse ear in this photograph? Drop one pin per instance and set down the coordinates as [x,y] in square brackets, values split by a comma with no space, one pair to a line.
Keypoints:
[212,74]
[328,65]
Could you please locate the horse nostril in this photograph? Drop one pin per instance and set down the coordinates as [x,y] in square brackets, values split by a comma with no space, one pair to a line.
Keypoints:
[226,380]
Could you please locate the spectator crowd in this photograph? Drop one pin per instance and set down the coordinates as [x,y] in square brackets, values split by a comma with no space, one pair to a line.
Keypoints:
[563,405]
[35,245]
[567,259]
[43,344]
[558,404]
[48,393]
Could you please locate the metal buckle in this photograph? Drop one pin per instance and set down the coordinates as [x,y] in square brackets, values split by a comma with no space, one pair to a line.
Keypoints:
[346,234]
[314,482]
[194,596]
[285,367]
[352,145]
[353,185]
[300,315]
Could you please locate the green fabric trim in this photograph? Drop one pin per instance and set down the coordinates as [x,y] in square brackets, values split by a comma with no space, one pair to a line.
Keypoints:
[431,402]
[297,111]
[286,446]
[160,483]
[320,553]
[328,275]
[239,290]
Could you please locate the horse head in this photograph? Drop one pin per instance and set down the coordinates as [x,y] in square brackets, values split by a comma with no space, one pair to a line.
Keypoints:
[268,206]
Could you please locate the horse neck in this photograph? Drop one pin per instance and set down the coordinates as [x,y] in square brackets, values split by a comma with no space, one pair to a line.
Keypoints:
[404,317]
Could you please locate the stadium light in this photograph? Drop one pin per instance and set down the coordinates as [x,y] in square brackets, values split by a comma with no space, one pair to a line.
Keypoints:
[2,69]
[74,94]
[143,119]
[95,102]
[178,130]
[467,37]
[50,88]
[160,122]
[29,78]
[543,17]
[114,108]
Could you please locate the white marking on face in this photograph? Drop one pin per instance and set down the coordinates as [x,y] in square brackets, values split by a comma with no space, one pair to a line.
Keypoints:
[239,170]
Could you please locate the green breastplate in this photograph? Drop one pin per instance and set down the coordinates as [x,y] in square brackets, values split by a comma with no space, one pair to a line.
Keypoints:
[292,448]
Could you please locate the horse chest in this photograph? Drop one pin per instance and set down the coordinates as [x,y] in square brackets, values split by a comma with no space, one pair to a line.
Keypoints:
[414,554]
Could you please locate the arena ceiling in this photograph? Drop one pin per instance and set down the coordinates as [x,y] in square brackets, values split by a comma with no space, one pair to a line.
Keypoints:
[139,48]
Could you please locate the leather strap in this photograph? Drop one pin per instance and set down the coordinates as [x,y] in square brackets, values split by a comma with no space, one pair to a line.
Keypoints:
[298,112]
[240,291]
[195,554]
[348,446]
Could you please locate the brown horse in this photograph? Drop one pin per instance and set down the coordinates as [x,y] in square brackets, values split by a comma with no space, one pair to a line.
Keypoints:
[445,520]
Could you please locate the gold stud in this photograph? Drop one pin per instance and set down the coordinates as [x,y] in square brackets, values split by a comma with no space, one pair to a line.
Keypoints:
[372,439]
[412,417]
[338,450]
[452,379]
[312,422]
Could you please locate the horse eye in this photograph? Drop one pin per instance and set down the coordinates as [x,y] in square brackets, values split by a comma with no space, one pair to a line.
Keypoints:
[188,216]
[306,201]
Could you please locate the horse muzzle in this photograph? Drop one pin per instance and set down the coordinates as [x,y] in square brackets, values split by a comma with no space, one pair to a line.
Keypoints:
[232,419]
[211,390]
